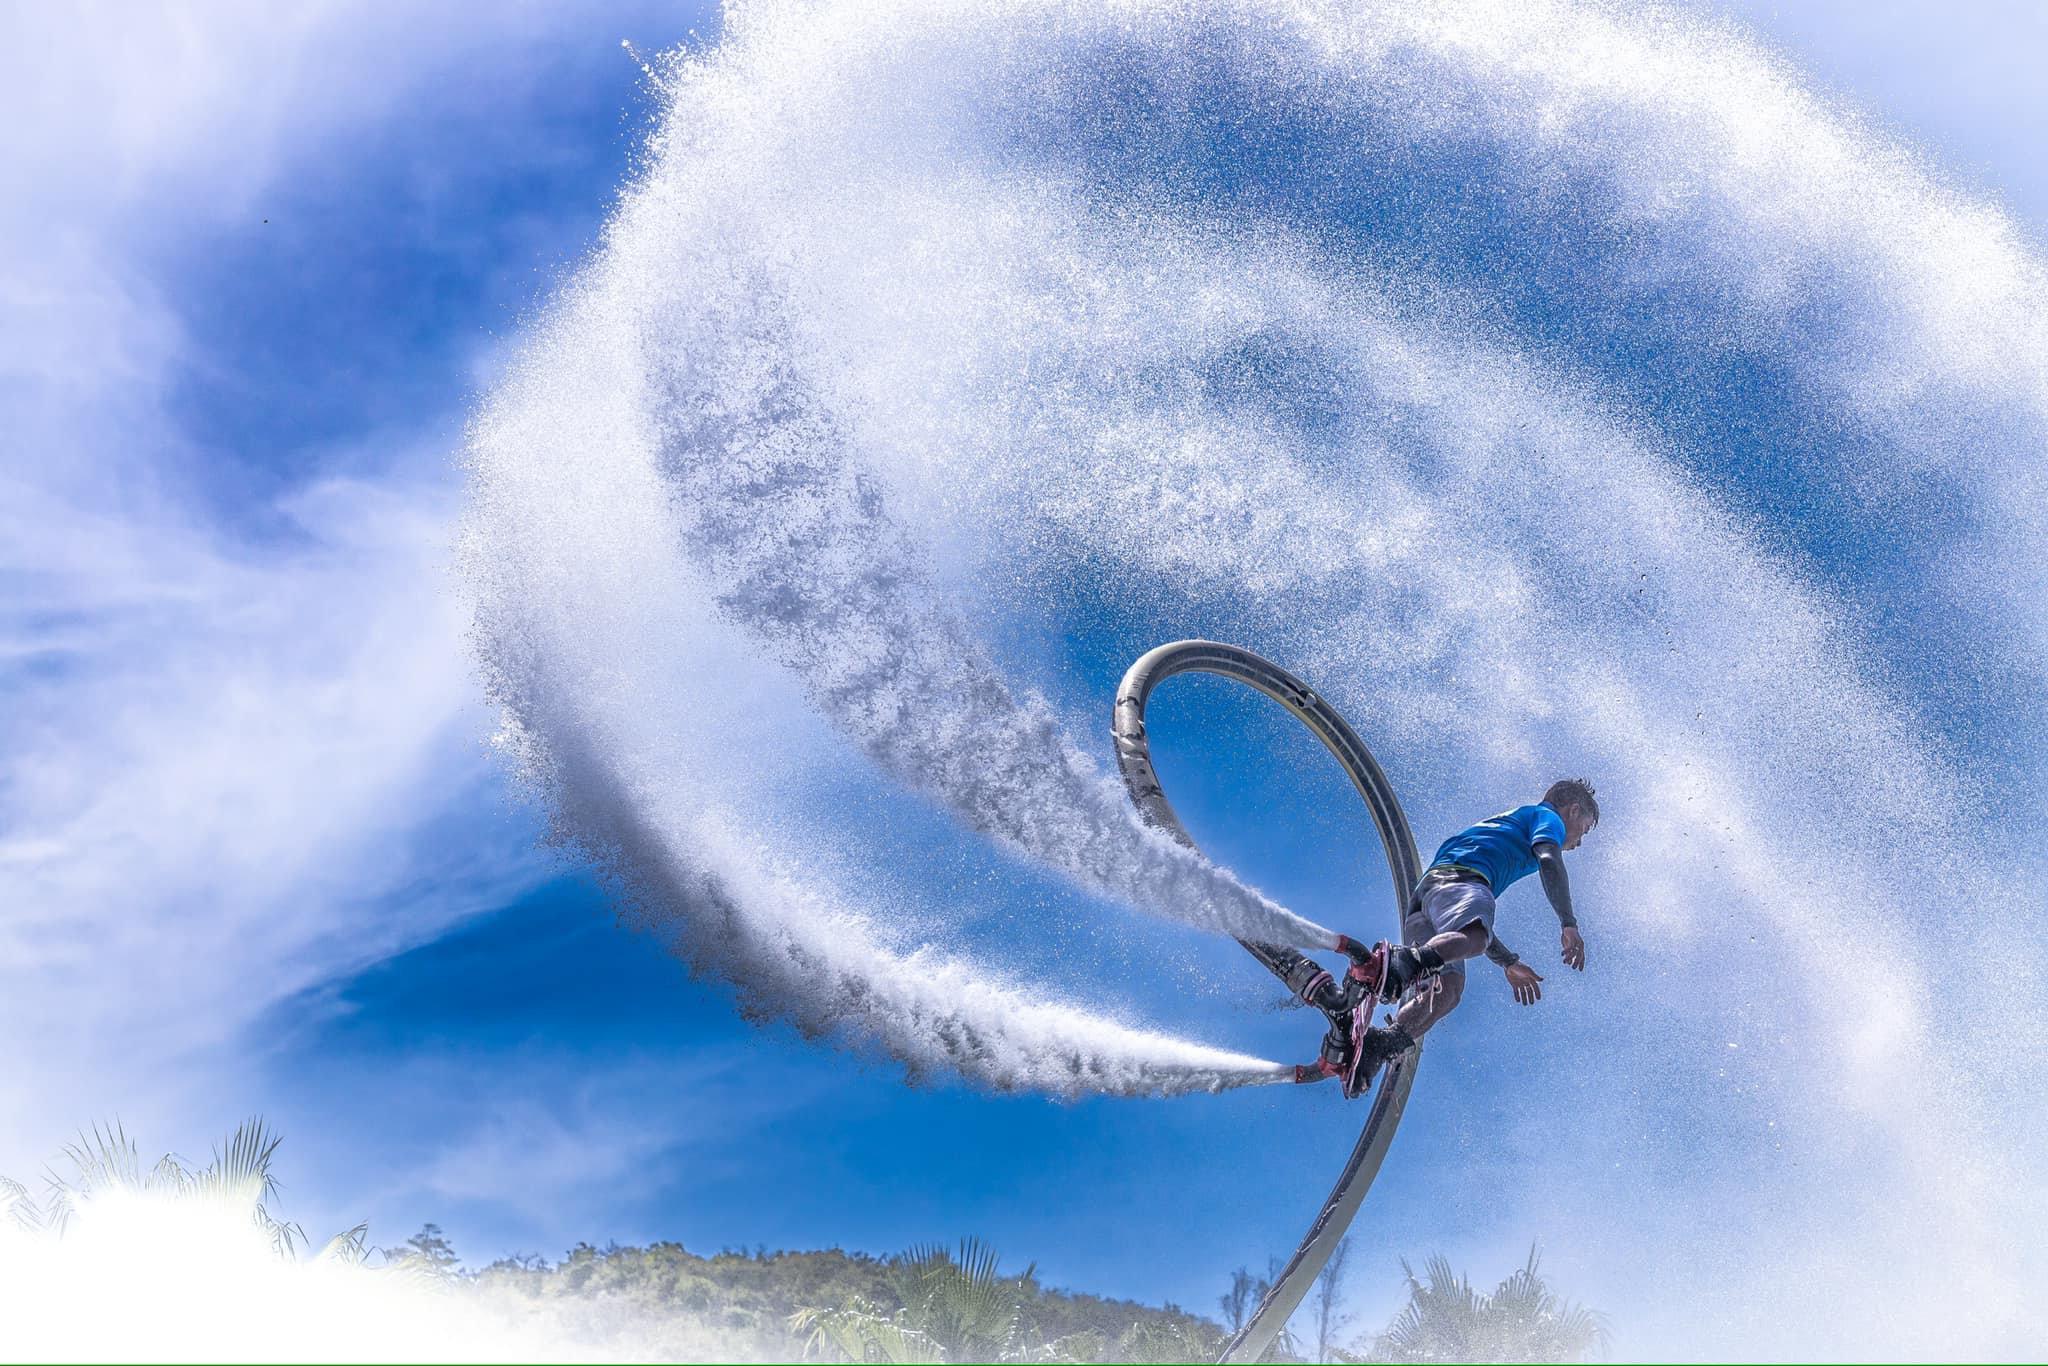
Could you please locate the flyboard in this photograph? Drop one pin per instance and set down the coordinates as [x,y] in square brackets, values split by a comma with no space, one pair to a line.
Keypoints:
[1134,759]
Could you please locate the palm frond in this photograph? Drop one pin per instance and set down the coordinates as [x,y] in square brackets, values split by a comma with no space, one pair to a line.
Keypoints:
[104,1159]
[284,1235]
[860,1332]
[349,1249]
[169,1174]
[240,1173]
[962,1300]
[26,1214]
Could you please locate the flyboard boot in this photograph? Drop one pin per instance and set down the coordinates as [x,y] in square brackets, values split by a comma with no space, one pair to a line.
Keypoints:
[1387,970]
[1406,968]
[1353,1051]
[1383,972]
[1376,1048]
[1341,1001]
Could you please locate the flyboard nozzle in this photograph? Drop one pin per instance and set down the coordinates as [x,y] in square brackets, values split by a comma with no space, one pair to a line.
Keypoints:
[1336,1055]
[1368,965]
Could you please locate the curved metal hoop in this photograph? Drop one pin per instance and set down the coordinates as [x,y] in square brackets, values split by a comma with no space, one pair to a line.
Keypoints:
[1134,759]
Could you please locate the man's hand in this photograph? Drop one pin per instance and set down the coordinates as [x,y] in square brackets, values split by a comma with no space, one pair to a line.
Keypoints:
[1574,949]
[1523,979]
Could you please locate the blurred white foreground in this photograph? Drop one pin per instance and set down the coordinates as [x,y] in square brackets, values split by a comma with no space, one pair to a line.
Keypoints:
[149,1277]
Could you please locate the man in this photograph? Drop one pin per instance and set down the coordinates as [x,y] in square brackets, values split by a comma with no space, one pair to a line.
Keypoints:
[1450,917]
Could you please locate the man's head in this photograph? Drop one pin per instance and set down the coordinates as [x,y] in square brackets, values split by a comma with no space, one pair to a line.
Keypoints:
[1572,798]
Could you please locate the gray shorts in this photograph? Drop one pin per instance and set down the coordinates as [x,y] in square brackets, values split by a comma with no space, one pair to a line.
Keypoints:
[1448,906]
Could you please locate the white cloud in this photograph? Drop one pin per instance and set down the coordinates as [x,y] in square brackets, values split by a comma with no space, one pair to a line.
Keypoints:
[107,107]
[224,774]
[230,766]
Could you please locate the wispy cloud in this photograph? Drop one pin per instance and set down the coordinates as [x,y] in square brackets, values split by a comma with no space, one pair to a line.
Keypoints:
[225,772]
[231,766]
[592,1141]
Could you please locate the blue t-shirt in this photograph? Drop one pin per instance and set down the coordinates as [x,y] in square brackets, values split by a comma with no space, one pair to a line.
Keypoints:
[1503,847]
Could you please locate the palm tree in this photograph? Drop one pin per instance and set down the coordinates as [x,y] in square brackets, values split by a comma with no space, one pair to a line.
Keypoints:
[238,1178]
[1521,1321]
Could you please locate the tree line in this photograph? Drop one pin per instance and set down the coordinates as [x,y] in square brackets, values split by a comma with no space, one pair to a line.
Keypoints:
[929,1303]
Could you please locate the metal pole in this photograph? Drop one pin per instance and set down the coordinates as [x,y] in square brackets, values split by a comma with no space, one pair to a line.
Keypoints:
[1134,759]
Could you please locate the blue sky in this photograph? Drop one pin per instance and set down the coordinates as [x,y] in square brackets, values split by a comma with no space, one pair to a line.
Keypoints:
[261,268]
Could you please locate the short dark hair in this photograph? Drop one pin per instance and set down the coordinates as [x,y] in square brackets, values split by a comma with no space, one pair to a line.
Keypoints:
[1572,792]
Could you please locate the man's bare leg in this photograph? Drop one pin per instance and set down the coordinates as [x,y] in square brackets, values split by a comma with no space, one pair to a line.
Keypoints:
[1434,994]
[1440,995]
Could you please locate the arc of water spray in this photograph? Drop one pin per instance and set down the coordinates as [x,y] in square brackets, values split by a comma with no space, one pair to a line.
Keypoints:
[811,565]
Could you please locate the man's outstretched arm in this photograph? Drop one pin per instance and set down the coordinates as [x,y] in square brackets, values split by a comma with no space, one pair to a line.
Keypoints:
[1556,886]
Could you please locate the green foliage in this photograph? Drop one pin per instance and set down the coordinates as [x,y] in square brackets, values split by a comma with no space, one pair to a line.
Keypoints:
[835,1305]
[350,1248]
[1445,1319]
[957,1307]
[687,1306]
[1161,1338]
